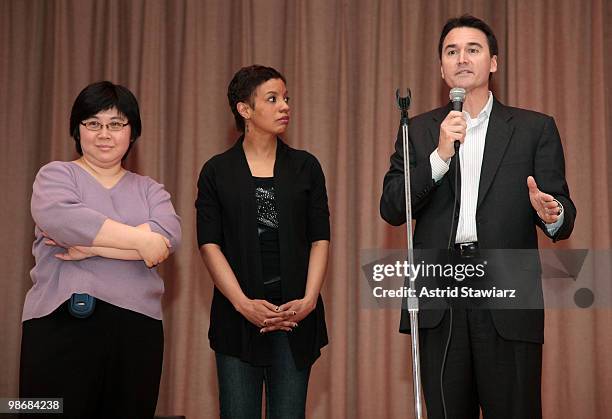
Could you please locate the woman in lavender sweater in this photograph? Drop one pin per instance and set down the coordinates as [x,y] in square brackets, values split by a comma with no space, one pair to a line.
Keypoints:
[100,230]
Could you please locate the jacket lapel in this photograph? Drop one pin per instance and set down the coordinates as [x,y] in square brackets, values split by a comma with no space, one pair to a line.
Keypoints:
[498,136]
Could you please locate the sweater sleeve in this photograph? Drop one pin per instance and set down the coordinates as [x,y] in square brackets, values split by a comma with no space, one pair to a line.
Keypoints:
[209,218]
[57,208]
[162,217]
[318,211]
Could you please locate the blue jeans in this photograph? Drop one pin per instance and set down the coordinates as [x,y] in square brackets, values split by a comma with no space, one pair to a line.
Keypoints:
[241,384]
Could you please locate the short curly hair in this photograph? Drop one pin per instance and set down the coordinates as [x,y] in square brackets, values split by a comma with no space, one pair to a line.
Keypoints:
[243,85]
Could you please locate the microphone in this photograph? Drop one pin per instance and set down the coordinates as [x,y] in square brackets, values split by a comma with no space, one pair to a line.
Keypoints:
[457,97]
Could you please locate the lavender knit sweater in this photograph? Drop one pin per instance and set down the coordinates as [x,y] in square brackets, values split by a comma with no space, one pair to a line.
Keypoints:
[70,206]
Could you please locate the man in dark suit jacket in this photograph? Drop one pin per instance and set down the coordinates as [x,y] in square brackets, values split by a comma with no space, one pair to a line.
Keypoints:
[512,179]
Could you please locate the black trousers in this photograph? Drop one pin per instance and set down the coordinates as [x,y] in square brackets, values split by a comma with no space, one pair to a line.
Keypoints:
[482,370]
[105,366]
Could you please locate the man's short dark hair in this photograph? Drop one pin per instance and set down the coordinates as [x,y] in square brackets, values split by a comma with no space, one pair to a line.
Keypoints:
[243,85]
[101,96]
[469,21]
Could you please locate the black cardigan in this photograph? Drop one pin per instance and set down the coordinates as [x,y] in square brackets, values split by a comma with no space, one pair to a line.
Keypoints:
[226,215]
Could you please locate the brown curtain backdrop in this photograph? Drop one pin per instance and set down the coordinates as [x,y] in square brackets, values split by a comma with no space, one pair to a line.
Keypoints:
[343,61]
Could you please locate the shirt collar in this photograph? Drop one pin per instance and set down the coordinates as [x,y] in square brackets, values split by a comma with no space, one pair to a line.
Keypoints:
[486,111]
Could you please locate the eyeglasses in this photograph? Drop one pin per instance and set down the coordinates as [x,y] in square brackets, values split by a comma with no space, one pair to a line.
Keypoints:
[97,126]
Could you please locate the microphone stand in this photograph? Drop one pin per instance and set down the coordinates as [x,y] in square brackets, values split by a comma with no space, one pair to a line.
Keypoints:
[412,300]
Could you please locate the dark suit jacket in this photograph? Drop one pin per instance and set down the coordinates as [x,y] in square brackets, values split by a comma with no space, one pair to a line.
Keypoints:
[227,216]
[519,143]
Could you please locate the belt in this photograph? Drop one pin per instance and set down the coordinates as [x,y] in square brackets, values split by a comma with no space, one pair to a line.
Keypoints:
[467,250]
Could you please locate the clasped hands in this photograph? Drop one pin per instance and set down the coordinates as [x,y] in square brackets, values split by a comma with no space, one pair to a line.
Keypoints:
[269,317]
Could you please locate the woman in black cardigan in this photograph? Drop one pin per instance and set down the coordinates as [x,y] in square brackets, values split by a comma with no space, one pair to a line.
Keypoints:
[263,233]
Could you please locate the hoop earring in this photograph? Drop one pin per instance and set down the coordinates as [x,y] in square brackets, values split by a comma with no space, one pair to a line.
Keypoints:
[246,127]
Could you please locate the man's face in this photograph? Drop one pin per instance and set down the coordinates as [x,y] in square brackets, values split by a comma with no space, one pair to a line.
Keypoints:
[466,60]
